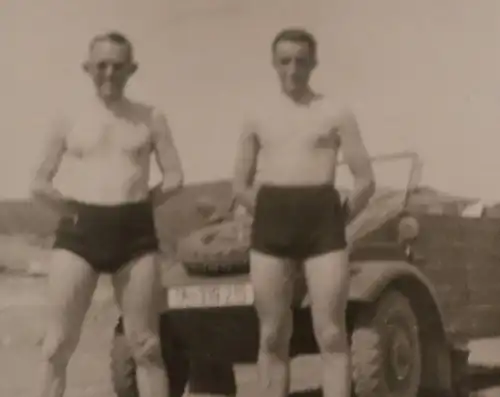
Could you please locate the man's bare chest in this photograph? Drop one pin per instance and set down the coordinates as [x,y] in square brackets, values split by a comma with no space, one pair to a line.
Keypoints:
[108,136]
[305,130]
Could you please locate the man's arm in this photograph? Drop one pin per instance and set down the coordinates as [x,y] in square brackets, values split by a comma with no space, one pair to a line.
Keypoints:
[41,187]
[168,161]
[358,160]
[245,168]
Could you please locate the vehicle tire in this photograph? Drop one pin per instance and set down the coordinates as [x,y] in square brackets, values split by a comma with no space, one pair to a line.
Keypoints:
[385,349]
[216,249]
[123,368]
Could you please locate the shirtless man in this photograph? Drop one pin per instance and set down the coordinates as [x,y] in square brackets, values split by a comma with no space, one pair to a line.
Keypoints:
[299,218]
[107,223]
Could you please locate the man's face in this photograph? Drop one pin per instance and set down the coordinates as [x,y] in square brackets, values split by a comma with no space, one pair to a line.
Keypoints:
[110,66]
[294,63]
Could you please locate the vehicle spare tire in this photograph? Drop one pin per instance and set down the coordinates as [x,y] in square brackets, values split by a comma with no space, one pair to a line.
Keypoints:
[217,249]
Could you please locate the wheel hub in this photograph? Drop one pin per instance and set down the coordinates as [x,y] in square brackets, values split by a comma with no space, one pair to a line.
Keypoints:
[400,356]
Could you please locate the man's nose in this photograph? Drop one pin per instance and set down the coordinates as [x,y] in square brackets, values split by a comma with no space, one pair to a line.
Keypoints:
[109,71]
[293,68]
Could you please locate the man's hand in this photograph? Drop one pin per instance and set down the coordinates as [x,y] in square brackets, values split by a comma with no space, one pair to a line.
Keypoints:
[165,190]
[46,194]
[214,213]
[248,199]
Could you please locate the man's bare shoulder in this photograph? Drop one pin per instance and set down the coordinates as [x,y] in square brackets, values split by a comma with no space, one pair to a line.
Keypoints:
[335,109]
[71,110]
[141,111]
[341,116]
[145,113]
[262,112]
[62,118]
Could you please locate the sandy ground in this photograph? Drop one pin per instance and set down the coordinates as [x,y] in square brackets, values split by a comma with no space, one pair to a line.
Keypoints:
[21,328]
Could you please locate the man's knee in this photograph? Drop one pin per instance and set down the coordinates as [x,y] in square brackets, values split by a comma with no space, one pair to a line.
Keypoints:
[57,347]
[331,338]
[146,348]
[276,336]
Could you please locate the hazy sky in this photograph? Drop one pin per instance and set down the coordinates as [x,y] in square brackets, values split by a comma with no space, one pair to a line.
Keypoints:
[420,74]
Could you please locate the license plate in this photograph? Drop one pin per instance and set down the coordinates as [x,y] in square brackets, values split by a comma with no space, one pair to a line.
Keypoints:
[206,296]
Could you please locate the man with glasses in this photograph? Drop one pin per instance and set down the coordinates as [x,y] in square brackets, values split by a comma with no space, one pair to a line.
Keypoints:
[107,224]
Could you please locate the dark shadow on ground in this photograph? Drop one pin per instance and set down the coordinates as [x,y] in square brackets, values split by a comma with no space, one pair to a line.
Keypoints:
[307,393]
[480,378]
[483,377]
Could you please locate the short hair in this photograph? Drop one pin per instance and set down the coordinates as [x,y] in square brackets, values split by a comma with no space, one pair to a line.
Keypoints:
[296,35]
[115,37]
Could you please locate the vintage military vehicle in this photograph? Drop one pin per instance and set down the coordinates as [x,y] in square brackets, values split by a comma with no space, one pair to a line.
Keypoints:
[420,290]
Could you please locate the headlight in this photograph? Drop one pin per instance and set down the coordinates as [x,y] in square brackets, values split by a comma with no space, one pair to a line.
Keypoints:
[408,229]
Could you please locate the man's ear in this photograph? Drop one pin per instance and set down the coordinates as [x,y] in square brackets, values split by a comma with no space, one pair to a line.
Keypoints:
[85,66]
[133,68]
[314,63]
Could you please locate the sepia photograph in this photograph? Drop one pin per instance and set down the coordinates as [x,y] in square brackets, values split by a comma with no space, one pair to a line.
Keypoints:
[222,198]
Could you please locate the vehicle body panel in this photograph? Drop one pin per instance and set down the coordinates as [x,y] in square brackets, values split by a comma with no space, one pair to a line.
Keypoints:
[456,264]
[449,273]
[368,279]
[461,257]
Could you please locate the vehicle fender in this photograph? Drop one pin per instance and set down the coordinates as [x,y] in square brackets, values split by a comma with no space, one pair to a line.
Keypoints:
[370,278]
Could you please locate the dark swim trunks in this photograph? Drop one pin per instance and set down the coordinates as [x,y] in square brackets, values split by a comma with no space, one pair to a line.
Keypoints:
[298,222]
[108,237]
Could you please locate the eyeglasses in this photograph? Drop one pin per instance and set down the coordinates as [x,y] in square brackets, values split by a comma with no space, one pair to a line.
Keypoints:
[104,66]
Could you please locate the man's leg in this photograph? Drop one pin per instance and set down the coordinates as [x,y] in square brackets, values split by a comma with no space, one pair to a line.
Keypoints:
[71,285]
[272,280]
[328,285]
[138,293]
